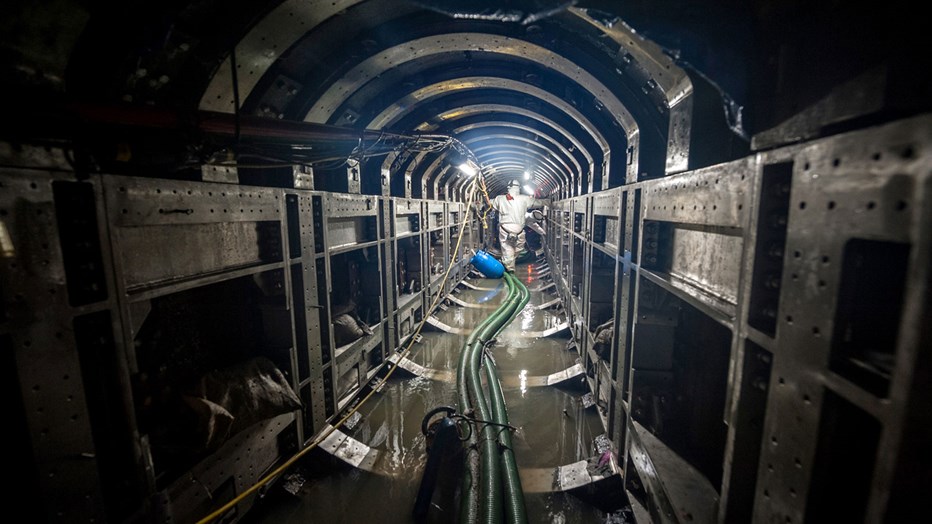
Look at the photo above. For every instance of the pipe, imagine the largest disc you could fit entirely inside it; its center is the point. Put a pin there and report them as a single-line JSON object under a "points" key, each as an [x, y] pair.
{"points": [[525, 298], [473, 395], [223, 124], [444, 437], [491, 470], [515, 511], [469, 507]]}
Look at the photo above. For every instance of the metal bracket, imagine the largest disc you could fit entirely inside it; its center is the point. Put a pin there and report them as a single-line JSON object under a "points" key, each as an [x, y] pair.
{"points": [[601, 444], [220, 174], [353, 421]]}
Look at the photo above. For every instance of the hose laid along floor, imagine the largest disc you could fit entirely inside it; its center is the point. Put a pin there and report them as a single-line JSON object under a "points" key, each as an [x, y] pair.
{"points": [[491, 486]]}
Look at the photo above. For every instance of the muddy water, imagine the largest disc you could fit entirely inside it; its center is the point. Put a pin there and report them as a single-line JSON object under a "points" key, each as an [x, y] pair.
{"points": [[553, 429], [528, 320]]}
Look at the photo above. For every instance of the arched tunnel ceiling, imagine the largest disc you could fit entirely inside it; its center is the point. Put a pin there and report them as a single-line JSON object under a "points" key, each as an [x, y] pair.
{"points": [[554, 97], [360, 63], [595, 104]]}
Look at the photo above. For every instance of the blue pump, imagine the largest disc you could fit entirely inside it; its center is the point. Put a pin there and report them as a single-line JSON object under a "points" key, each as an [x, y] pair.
{"points": [[487, 265]]}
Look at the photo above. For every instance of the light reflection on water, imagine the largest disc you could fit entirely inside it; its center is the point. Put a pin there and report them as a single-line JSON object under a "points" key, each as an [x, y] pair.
{"points": [[529, 319]]}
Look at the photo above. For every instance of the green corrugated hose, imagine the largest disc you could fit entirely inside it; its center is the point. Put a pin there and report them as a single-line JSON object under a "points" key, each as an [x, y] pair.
{"points": [[490, 468], [470, 492], [489, 455], [515, 511]]}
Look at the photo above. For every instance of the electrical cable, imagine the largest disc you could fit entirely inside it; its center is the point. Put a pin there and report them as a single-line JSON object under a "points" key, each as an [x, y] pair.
{"points": [[327, 156]]}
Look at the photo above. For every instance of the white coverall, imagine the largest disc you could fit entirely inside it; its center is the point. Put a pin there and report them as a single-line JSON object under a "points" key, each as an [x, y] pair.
{"points": [[512, 209], [533, 224]]}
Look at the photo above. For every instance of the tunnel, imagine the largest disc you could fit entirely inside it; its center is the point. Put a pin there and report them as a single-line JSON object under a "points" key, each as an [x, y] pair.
{"points": [[246, 246]]}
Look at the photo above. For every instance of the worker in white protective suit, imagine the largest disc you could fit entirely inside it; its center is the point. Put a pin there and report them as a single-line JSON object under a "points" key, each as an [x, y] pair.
{"points": [[532, 221], [512, 210]]}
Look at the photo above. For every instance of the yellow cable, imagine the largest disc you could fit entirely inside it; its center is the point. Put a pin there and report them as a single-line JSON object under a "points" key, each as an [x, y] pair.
{"points": [[288, 463]]}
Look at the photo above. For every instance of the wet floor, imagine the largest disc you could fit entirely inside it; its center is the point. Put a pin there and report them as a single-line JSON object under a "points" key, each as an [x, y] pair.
{"points": [[491, 295], [553, 428]]}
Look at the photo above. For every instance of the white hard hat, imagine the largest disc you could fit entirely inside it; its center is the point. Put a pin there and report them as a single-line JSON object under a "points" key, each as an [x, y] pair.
{"points": [[514, 183]]}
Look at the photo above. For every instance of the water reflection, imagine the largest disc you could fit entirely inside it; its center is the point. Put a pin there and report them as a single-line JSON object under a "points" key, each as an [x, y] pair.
{"points": [[553, 428], [489, 295], [527, 318]]}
